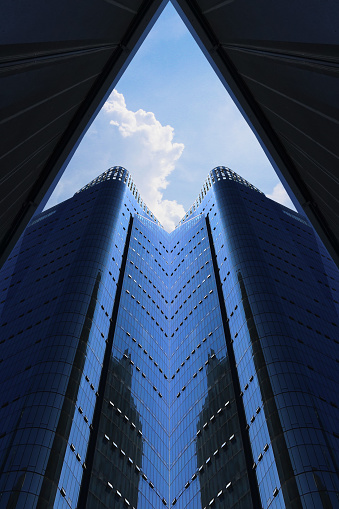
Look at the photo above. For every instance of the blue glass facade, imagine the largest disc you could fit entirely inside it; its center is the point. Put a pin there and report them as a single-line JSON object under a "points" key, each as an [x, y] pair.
{"points": [[192, 370]]}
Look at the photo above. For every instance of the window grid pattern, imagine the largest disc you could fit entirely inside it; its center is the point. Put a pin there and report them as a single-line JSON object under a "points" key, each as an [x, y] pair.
{"points": [[169, 433]]}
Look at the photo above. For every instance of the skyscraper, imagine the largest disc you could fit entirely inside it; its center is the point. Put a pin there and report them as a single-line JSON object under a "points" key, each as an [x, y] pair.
{"points": [[146, 369]]}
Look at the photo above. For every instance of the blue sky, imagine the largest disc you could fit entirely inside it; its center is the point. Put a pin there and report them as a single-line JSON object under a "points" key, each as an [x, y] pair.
{"points": [[169, 122]]}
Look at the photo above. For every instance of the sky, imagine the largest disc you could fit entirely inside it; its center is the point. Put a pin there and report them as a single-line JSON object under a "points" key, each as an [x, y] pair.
{"points": [[169, 121]]}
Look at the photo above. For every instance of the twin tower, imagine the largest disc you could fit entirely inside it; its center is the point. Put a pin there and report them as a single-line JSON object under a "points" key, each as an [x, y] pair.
{"points": [[196, 369]]}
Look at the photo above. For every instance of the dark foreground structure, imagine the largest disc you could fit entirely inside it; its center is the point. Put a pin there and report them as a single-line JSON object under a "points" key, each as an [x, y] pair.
{"points": [[279, 61], [143, 369]]}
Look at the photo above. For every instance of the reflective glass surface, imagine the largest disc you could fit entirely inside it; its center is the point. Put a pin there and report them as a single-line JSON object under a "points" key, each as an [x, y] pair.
{"points": [[191, 370]]}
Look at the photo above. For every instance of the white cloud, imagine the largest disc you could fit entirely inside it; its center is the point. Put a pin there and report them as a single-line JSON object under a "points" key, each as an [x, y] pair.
{"points": [[279, 194], [152, 155]]}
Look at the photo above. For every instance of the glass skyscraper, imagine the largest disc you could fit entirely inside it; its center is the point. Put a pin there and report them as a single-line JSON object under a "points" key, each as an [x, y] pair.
{"points": [[196, 369]]}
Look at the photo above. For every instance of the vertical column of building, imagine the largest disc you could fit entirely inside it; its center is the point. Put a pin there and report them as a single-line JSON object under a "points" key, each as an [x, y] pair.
{"points": [[95, 451], [68, 264], [131, 458], [208, 465], [234, 246], [260, 272], [307, 284]]}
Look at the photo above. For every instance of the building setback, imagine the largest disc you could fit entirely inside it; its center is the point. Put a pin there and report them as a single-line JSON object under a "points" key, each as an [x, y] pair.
{"points": [[192, 369]]}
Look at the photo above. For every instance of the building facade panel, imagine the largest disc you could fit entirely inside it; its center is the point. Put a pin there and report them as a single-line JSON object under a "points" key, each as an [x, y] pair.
{"points": [[278, 348], [146, 369], [54, 345]]}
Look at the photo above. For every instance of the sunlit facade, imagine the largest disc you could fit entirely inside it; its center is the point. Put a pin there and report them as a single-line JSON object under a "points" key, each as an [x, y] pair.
{"points": [[144, 369]]}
